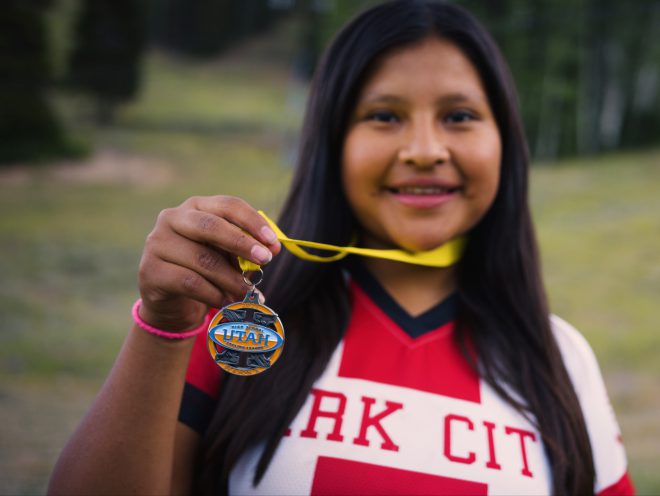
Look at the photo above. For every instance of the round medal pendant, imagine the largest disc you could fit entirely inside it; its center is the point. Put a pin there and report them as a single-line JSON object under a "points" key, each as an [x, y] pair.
{"points": [[246, 338]]}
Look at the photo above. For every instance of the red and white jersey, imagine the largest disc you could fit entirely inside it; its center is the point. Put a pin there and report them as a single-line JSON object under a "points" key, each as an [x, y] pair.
{"points": [[395, 414]]}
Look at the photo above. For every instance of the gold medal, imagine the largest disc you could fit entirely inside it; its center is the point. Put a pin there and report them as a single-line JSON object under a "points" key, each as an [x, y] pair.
{"points": [[246, 338]]}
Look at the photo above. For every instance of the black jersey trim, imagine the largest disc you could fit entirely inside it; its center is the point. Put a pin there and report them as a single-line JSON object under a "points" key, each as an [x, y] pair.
{"points": [[196, 408], [435, 317]]}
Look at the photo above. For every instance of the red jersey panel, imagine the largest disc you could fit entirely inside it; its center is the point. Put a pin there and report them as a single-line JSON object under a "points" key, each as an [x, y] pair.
{"points": [[431, 363]]}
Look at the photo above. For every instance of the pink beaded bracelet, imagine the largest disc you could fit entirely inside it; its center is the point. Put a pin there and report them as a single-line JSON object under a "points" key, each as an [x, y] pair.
{"points": [[168, 334]]}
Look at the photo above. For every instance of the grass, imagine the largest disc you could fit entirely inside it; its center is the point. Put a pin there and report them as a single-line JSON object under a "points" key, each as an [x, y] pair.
{"points": [[71, 237], [598, 228], [71, 234]]}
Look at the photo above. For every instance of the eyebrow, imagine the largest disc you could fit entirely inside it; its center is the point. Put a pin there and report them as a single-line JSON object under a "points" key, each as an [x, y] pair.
{"points": [[456, 97]]}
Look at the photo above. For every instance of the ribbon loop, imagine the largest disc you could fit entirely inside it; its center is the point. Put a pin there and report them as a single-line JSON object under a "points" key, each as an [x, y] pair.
{"points": [[443, 256]]}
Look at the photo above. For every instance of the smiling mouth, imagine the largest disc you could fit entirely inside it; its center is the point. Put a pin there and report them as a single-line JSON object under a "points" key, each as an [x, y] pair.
{"points": [[423, 190]]}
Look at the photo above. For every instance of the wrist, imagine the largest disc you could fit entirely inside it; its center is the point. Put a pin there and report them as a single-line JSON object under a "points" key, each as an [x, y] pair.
{"points": [[146, 322]]}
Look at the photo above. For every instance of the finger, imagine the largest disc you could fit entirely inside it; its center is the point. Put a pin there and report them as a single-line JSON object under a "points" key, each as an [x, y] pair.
{"points": [[241, 214], [203, 260], [204, 227], [176, 280]]}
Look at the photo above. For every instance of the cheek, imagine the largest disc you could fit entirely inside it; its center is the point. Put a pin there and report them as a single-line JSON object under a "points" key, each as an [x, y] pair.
{"points": [[484, 170], [356, 154], [360, 168]]}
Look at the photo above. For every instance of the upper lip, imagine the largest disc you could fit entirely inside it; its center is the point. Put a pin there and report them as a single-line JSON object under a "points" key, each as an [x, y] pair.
{"points": [[423, 183]]}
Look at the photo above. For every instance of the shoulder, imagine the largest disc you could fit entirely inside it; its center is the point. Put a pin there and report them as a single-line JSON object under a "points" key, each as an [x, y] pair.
{"points": [[604, 434], [579, 359]]}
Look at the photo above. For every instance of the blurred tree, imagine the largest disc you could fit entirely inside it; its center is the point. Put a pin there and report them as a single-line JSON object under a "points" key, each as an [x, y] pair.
{"points": [[109, 40], [337, 12], [28, 127], [204, 28], [587, 71], [310, 42], [624, 52]]}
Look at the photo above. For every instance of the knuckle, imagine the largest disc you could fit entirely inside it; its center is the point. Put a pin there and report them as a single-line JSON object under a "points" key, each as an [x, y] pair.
{"points": [[191, 283], [230, 203], [193, 200], [235, 201], [147, 274], [208, 260], [149, 260], [151, 239], [207, 223], [241, 242], [153, 244], [164, 215], [143, 269]]}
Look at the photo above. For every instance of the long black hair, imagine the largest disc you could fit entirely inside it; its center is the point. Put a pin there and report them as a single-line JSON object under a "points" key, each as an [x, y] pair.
{"points": [[503, 312]]}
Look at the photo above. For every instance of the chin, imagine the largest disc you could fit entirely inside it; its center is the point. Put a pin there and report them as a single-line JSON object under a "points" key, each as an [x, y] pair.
{"points": [[418, 245], [423, 236]]}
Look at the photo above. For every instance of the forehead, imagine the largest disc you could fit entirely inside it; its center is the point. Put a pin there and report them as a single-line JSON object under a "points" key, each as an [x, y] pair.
{"points": [[430, 66]]}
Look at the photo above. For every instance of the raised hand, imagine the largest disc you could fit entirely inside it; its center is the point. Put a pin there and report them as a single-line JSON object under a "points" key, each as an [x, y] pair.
{"points": [[189, 259]]}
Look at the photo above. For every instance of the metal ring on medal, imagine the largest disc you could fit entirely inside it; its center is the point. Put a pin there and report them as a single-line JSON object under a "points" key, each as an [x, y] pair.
{"points": [[245, 338]]}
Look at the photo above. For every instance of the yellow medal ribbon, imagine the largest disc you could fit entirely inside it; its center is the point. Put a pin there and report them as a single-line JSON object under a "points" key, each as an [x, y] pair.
{"points": [[443, 256]]}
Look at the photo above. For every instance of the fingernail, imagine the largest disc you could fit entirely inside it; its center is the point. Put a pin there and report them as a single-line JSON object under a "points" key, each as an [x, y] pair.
{"points": [[268, 235], [260, 254]]}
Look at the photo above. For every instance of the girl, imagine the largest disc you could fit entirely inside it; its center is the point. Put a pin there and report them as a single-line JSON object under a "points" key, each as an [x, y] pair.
{"points": [[396, 377]]}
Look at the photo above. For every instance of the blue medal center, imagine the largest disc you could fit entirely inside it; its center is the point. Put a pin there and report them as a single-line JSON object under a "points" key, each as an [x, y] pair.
{"points": [[246, 336]]}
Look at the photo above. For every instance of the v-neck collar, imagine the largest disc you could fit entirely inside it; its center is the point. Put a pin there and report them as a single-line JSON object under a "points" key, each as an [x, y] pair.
{"points": [[433, 318]]}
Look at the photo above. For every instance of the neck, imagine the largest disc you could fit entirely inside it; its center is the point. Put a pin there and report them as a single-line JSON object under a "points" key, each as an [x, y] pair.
{"points": [[414, 287]]}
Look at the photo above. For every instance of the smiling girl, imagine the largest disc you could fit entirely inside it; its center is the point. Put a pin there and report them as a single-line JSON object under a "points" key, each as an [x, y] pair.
{"points": [[396, 378]]}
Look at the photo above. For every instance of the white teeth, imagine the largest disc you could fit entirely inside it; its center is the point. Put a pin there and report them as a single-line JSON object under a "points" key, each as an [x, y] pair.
{"points": [[422, 190]]}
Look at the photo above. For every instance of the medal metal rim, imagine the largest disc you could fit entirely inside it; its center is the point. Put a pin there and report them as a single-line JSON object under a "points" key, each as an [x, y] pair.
{"points": [[211, 345]]}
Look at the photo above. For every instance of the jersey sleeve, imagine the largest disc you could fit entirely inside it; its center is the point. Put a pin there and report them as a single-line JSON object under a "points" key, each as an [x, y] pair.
{"points": [[201, 389], [610, 462]]}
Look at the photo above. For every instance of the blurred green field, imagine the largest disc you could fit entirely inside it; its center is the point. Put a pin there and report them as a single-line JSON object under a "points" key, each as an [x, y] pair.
{"points": [[71, 237], [599, 231]]}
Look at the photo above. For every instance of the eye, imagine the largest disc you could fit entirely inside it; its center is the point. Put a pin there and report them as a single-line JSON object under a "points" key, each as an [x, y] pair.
{"points": [[385, 116], [460, 117]]}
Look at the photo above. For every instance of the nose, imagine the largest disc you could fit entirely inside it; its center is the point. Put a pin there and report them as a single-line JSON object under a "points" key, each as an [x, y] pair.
{"points": [[425, 145]]}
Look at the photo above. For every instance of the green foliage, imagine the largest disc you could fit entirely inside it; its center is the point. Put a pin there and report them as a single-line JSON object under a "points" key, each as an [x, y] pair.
{"points": [[29, 129], [587, 70], [61, 21], [105, 62], [203, 28]]}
